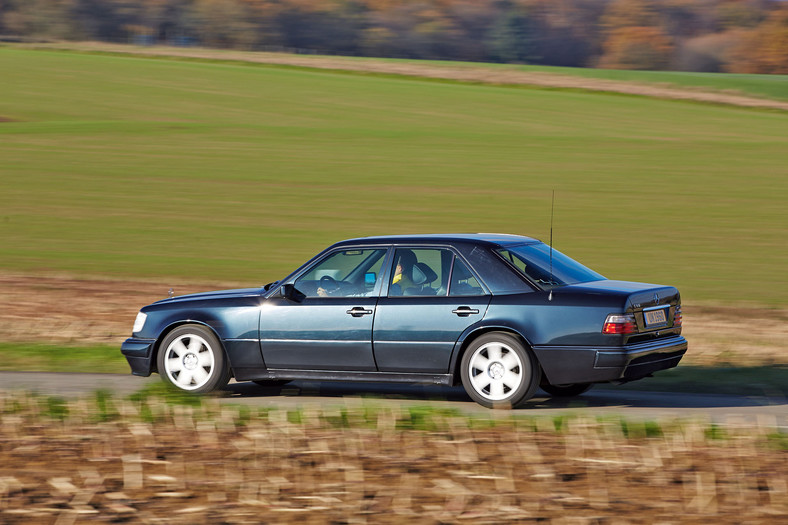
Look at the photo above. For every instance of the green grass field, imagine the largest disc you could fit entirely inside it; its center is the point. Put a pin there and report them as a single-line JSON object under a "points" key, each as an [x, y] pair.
{"points": [[133, 167], [62, 358]]}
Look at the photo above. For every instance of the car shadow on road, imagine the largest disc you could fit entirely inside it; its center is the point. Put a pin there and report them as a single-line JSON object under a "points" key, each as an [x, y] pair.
{"points": [[329, 389], [595, 398]]}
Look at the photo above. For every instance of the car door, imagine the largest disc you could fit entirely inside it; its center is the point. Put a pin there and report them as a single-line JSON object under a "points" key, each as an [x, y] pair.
{"points": [[417, 324], [330, 327]]}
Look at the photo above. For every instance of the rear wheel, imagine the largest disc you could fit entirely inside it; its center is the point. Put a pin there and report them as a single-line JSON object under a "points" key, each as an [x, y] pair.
{"points": [[497, 371], [192, 359], [572, 389]]}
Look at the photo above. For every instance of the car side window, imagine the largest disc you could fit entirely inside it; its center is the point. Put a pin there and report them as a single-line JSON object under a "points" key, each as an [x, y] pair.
{"points": [[346, 273], [462, 280], [420, 272]]}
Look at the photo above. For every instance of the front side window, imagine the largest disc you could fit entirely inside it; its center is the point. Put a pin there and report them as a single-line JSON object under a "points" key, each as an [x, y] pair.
{"points": [[346, 273], [547, 271]]}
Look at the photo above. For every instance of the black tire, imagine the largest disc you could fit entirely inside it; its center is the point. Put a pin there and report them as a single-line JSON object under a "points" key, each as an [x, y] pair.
{"points": [[192, 359], [271, 382], [573, 389], [498, 371]]}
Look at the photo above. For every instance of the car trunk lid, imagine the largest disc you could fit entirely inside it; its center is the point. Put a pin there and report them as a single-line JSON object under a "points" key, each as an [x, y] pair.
{"points": [[656, 308]]}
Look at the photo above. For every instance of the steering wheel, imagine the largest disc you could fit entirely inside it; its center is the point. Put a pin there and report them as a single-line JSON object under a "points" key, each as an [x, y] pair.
{"points": [[328, 283]]}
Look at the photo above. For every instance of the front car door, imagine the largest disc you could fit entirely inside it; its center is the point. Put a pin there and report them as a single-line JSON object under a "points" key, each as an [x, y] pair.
{"points": [[431, 298], [331, 328]]}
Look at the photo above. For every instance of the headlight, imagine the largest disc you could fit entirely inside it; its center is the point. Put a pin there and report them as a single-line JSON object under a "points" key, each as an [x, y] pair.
{"points": [[139, 322]]}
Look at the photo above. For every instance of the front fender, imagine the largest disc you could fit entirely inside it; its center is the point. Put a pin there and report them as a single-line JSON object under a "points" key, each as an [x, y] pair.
{"points": [[236, 327], [228, 319]]}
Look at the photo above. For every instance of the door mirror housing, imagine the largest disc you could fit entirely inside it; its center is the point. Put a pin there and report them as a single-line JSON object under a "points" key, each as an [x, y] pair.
{"points": [[289, 292]]}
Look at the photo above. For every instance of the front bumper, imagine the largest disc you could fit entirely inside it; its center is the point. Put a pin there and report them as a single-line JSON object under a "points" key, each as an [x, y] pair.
{"points": [[139, 354], [578, 364]]}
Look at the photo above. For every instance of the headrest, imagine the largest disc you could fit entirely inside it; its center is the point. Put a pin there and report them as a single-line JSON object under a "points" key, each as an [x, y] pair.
{"points": [[423, 274]]}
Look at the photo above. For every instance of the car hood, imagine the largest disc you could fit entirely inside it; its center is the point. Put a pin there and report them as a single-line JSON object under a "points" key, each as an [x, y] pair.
{"points": [[219, 294]]}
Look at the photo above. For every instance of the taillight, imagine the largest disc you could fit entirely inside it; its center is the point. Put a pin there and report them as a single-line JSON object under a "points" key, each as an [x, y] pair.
{"points": [[677, 316], [620, 324]]}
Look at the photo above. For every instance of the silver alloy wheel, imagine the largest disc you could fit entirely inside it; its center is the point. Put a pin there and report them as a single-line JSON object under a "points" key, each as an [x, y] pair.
{"points": [[189, 362], [495, 371]]}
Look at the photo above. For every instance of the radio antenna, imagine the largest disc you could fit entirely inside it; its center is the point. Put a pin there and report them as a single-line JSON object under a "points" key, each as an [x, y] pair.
{"points": [[552, 209]]}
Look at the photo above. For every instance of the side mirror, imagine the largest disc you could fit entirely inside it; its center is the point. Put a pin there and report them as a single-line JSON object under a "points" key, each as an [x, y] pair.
{"points": [[289, 292], [370, 278]]}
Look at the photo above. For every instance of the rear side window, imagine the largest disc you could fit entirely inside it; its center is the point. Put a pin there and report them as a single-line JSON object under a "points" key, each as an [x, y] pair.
{"points": [[499, 277], [420, 272], [462, 281]]}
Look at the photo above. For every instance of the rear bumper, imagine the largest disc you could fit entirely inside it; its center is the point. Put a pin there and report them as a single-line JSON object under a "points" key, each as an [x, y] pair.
{"points": [[139, 353], [577, 364]]}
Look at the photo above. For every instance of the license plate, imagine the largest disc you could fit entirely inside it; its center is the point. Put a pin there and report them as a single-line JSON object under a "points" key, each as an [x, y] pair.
{"points": [[655, 316]]}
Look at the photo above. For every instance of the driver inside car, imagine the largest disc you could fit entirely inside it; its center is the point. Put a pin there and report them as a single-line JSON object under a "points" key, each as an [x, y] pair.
{"points": [[403, 274]]}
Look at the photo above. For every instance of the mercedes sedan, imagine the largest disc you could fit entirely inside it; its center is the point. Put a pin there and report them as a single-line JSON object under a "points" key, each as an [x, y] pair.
{"points": [[502, 315]]}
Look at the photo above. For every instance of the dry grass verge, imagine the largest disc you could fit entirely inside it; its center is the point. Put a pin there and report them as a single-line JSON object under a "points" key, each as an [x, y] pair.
{"points": [[152, 461]]}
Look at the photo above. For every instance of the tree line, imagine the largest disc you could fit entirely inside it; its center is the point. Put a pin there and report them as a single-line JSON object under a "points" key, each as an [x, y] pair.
{"points": [[741, 36]]}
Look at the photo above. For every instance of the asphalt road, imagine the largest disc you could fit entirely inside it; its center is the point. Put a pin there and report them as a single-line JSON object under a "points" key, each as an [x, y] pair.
{"points": [[723, 409]]}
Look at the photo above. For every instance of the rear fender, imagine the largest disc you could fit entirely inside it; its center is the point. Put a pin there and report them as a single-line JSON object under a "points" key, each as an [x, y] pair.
{"points": [[472, 333]]}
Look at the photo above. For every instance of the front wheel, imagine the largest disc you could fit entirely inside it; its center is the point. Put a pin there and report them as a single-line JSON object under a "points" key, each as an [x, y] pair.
{"points": [[497, 371], [192, 359]]}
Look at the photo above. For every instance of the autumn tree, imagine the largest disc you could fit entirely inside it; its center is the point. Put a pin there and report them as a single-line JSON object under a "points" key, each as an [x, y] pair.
{"points": [[707, 35], [635, 38], [513, 36], [567, 32], [43, 19], [637, 48], [737, 14], [765, 48], [222, 23]]}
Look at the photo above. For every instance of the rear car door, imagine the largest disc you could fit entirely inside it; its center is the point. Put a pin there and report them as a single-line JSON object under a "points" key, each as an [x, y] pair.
{"points": [[424, 311]]}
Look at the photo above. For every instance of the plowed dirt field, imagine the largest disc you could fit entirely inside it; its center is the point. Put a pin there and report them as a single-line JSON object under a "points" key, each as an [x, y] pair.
{"points": [[78, 310]]}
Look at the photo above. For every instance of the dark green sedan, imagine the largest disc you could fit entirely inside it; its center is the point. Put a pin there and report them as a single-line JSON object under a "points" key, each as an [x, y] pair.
{"points": [[500, 314]]}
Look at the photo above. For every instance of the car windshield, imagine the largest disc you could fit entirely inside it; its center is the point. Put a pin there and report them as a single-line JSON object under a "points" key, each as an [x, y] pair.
{"points": [[534, 261]]}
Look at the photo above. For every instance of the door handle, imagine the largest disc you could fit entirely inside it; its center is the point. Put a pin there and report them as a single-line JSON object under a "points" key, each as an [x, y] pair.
{"points": [[358, 311], [464, 311]]}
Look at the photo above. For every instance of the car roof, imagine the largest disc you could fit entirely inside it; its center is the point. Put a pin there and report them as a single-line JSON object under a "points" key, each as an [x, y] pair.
{"points": [[498, 239]]}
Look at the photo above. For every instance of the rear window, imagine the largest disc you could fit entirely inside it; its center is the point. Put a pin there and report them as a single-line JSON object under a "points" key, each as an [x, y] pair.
{"points": [[534, 262]]}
